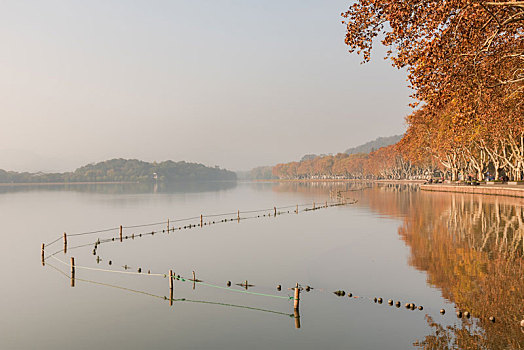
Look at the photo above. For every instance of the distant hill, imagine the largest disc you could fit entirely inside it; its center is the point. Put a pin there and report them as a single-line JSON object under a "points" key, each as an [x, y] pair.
{"points": [[266, 172], [367, 147], [126, 170], [262, 173], [308, 157], [258, 173], [374, 145]]}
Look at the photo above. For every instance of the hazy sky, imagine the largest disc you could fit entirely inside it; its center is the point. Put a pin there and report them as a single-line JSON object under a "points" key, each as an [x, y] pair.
{"points": [[230, 83]]}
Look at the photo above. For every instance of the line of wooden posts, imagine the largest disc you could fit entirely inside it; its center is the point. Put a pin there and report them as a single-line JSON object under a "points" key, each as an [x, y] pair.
{"points": [[121, 228], [171, 277], [296, 299]]}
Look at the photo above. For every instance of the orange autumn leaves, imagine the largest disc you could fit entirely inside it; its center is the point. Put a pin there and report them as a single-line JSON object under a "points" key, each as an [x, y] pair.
{"points": [[386, 162], [465, 63]]}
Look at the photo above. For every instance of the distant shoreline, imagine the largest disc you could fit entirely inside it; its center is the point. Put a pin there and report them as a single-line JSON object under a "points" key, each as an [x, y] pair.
{"points": [[344, 180]]}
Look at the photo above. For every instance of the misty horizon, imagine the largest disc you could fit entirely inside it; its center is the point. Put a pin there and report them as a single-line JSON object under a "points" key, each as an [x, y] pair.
{"points": [[27, 161], [268, 83]]}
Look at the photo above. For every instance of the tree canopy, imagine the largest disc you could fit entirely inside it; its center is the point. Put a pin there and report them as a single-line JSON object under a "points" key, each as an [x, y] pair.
{"points": [[465, 64], [126, 170]]}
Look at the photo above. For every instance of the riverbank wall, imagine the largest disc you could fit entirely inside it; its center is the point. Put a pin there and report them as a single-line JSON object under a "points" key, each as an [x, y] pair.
{"points": [[492, 190], [344, 180]]}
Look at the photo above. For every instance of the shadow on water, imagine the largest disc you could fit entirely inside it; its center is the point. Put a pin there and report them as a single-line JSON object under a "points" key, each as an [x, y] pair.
{"points": [[471, 248], [127, 188]]}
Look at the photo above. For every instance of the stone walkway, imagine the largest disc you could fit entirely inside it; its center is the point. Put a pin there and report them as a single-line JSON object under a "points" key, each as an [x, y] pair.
{"points": [[495, 190]]}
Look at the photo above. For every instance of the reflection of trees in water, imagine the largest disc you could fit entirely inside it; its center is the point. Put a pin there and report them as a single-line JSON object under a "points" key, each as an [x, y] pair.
{"points": [[327, 187], [195, 186], [128, 188], [470, 247], [320, 188], [490, 227]]}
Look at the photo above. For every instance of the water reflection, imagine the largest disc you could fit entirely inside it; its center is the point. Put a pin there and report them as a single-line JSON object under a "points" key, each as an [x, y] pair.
{"points": [[126, 188], [471, 248], [319, 188], [171, 299]]}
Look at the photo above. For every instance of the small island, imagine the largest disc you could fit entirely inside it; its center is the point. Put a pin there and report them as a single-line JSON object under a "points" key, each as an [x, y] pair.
{"points": [[124, 170]]}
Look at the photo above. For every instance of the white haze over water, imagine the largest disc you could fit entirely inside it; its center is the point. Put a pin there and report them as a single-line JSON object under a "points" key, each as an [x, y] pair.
{"points": [[231, 83]]}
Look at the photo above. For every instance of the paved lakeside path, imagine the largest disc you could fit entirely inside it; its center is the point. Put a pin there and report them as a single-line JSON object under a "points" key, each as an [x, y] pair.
{"points": [[343, 180], [494, 190]]}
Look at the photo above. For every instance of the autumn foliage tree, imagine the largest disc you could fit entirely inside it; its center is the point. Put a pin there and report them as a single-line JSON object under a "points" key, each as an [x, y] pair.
{"points": [[465, 63], [384, 163]]}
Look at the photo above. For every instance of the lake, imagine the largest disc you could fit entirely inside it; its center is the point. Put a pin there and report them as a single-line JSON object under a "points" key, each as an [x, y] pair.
{"points": [[436, 250]]}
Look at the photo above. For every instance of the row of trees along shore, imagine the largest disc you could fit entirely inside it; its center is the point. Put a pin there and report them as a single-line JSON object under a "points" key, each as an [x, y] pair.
{"points": [[465, 63], [126, 170]]}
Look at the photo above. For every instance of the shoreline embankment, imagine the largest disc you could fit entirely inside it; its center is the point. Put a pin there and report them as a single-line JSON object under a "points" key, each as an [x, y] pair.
{"points": [[490, 190], [345, 180], [506, 190]]}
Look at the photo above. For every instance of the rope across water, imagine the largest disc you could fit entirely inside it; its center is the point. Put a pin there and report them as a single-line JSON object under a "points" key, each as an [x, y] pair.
{"points": [[211, 285], [183, 279], [158, 223], [174, 300], [270, 212]]}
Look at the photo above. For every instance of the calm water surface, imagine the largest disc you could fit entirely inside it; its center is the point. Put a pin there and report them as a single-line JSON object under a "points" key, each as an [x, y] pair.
{"points": [[442, 251]]}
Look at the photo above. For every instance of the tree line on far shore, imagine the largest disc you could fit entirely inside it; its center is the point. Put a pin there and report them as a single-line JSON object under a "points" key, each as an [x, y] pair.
{"points": [[125, 170], [384, 163]]}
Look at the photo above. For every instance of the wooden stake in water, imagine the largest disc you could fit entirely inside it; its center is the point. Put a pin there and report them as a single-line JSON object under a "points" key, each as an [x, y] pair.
{"points": [[167, 225], [43, 251], [72, 271], [275, 210], [297, 297], [296, 211], [65, 243], [201, 220], [238, 215], [297, 318], [120, 233], [170, 287]]}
